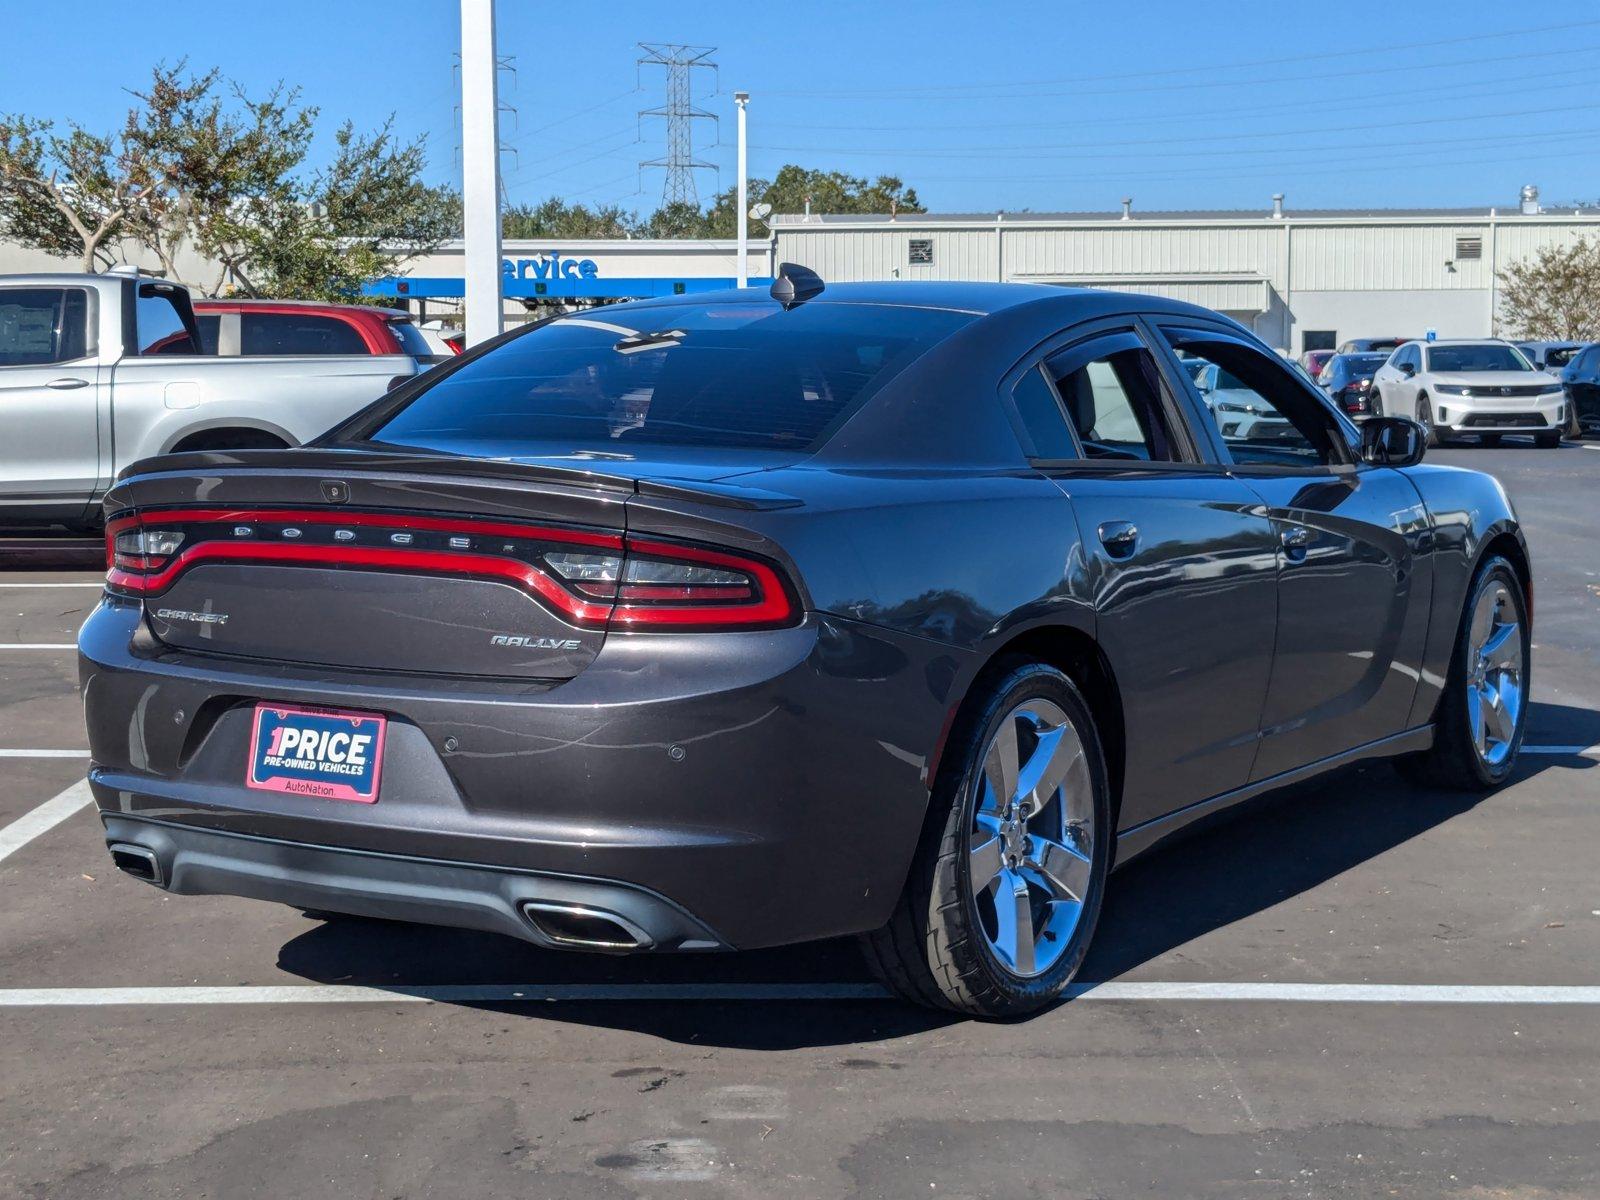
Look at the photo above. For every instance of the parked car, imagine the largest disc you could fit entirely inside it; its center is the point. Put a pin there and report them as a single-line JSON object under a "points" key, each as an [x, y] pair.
{"points": [[1550, 356], [895, 609], [1485, 387], [1239, 412], [1314, 360], [1581, 379], [97, 371], [1348, 379], [1370, 344], [446, 340], [295, 328]]}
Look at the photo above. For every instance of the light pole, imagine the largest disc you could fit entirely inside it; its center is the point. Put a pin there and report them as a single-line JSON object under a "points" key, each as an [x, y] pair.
{"points": [[742, 99], [480, 171]]}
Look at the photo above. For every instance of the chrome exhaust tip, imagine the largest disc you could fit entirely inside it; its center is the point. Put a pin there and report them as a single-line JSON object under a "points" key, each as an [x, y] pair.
{"points": [[139, 861], [578, 927]]}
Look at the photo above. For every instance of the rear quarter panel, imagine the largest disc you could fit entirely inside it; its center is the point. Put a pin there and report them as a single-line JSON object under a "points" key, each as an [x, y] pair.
{"points": [[1468, 510]]}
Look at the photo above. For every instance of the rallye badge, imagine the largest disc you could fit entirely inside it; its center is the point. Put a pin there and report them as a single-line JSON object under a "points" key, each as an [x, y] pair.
{"points": [[316, 752]]}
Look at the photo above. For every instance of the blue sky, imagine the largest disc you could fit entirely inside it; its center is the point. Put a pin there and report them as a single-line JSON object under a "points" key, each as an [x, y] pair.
{"points": [[979, 106]]}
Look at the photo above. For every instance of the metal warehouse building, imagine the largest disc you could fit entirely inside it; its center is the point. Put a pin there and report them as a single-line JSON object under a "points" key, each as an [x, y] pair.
{"points": [[1301, 280]]}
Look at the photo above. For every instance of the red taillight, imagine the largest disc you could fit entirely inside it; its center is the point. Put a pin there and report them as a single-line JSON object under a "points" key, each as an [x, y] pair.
{"points": [[590, 578]]}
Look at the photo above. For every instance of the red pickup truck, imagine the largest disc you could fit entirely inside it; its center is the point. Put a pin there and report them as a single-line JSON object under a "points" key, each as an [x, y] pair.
{"points": [[247, 328]]}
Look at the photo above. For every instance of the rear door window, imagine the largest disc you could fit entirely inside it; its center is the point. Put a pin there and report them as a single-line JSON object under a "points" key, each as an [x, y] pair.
{"points": [[297, 334], [39, 326], [1111, 392], [745, 374]]}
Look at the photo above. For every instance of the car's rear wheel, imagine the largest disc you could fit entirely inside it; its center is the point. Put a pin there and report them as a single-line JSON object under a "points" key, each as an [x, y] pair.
{"points": [[1008, 880], [1479, 723]]}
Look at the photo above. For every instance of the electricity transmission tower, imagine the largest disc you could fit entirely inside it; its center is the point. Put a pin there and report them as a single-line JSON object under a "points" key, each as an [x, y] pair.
{"points": [[681, 114]]}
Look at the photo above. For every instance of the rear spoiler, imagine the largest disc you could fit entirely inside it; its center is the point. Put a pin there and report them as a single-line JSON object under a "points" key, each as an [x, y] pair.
{"points": [[337, 461]]}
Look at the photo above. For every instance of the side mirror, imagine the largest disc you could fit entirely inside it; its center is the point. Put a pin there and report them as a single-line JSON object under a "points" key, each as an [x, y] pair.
{"points": [[1407, 369], [1392, 441]]}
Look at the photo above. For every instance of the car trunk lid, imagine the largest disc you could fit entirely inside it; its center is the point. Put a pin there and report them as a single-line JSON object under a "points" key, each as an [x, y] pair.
{"points": [[374, 562]]}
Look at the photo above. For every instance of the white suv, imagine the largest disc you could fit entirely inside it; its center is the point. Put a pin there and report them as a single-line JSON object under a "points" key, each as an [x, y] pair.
{"points": [[1487, 388]]}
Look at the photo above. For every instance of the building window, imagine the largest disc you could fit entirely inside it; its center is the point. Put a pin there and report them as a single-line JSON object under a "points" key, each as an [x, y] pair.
{"points": [[1469, 247], [921, 252], [1319, 339]]}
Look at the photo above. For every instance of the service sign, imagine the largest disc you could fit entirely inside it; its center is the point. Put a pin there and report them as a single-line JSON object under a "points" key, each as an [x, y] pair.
{"points": [[316, 752]]}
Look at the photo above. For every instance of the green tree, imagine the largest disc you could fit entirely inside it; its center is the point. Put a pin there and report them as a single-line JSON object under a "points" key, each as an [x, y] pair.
{"points": [[555, 218], [1555, 294], [206, 167], [794, 187], [71, 194]]}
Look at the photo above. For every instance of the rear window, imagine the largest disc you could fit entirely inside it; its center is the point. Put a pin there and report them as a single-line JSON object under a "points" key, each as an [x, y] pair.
{"points": [[296, 333], [733, 375], [1365, 364], [411, 340], [1487, 357]]}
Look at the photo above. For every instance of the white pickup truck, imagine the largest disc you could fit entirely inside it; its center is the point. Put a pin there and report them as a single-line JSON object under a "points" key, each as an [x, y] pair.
{"points": [[99, 371]]}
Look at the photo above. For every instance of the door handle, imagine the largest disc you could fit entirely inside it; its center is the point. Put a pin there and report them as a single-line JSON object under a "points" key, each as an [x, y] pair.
{"points": [[1295, 539], [1120, 538], [67, 383]]}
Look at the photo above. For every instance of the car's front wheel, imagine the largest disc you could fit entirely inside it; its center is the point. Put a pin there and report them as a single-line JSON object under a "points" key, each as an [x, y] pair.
{"points": [[1547, 441], [1477, 729], [1425, 419], [1007, 884]]}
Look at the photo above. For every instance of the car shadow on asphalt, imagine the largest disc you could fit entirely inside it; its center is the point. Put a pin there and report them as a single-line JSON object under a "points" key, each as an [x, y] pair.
{"points": [[1209, 879]]}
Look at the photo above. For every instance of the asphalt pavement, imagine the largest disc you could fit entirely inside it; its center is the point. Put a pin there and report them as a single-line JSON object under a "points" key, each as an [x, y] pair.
{"points": [[1357, 989]]}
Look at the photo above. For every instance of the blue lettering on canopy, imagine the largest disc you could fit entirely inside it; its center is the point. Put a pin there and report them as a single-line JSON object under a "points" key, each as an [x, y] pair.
{"points": [[549, 266]]}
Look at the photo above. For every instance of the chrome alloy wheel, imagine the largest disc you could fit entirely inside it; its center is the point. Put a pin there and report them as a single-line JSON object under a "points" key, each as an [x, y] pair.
{"points": [[1031, 839], [1495, 688]]}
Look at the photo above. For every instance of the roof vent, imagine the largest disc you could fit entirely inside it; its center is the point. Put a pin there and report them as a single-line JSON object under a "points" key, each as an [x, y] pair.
{"points": [[1127, 208], [1277, 205], [1530, 200]]}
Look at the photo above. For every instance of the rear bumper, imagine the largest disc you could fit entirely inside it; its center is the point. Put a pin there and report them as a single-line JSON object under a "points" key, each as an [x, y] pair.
{"points": [[768, 785], [201, 862]]}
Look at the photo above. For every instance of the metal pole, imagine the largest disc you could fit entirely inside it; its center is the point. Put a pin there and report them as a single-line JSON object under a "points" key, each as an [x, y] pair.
{"points": [[480, 171], [742, 99]]}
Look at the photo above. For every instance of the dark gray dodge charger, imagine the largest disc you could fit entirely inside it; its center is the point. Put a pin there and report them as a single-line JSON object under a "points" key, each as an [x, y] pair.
{"points": [[903, 610]]}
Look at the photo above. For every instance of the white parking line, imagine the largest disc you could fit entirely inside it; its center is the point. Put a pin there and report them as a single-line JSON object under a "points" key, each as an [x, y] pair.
{"points": [[44, 754], [1567, 750], [98, 583], [38, 645], [46, 817], [1299, 993]]}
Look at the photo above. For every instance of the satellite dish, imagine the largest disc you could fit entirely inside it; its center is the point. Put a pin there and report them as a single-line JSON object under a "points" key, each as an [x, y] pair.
{"points": [[760, 212]]}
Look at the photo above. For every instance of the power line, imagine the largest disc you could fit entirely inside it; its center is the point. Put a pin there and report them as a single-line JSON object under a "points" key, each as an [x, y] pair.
{"points": [[1475, 89], [1213, 69], [1299, 77], [990, 151]]}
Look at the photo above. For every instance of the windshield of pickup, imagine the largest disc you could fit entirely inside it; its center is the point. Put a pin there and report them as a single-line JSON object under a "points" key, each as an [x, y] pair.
{"points": [[1468, 359], [745, 374]]}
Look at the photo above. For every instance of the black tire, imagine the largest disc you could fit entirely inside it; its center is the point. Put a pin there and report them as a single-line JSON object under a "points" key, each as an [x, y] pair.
{"points": [[1425, 419], [934, 950], [1453, 762], [230, 439], [1375, 404], [1549, 440], [1489, 439]]}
